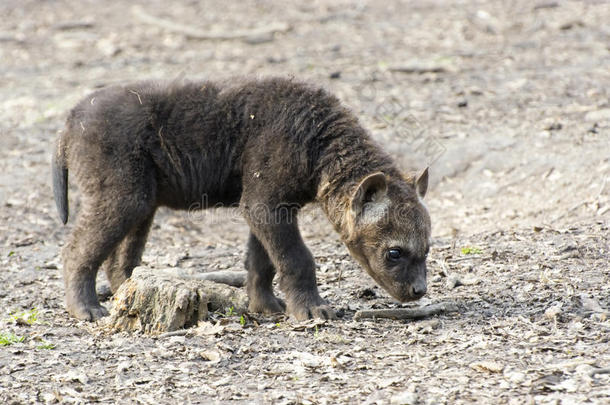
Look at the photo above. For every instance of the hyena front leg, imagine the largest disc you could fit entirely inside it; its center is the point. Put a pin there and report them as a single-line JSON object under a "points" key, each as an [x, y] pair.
{"points": [[279, 234], [260, 279]]}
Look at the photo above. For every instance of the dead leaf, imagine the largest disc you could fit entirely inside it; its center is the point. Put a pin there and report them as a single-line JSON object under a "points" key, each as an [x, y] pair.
{"points": [[487, 366], [591, 304], [207, 328], [210, 355], [309, 324], [553, 311], [75, 376]]}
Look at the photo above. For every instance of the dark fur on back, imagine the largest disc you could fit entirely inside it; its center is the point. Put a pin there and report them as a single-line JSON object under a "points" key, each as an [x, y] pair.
{"points": [[270, 143]]}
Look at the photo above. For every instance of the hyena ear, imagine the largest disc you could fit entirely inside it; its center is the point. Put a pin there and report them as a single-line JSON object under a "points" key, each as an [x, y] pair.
{"points": [[421, 183], [372, 189]]}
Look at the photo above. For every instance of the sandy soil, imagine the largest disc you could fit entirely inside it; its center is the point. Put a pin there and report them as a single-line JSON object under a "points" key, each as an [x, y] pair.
{"points": [[508, 102]]}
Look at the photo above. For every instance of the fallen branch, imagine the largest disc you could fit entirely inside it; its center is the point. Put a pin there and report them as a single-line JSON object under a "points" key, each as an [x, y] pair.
{"points": [[229, 277], [407, 313], [196, 33], [233, 278], [596, 371]]}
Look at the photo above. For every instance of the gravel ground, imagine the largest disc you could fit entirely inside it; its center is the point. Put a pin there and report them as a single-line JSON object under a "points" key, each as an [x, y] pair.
{"points": [[507, 102]]}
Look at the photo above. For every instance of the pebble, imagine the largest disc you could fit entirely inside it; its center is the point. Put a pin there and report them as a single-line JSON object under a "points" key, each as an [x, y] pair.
{"points": [[76, 376], [405, 398], [590, 304], [515, 377], [123, 366], [598, 115], [453, 281], [553, 311]]}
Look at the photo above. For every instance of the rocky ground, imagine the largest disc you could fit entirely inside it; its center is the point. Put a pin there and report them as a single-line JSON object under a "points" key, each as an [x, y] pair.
{"points": [[507, 102]]}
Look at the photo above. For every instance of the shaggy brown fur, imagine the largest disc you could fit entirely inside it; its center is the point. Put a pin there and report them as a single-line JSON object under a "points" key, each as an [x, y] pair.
{"points": [[272, 146]]}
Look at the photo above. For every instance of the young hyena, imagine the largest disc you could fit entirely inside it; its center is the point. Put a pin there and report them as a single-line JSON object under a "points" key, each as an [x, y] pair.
{"points": [[270, 145]]}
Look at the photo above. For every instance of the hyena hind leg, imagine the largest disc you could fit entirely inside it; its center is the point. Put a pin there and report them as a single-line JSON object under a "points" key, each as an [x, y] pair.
{"points": [[127, 255], [98, 231]]}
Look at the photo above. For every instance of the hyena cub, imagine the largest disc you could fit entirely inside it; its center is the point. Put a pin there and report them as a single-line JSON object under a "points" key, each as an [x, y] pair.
{"points": [[272, 146]]}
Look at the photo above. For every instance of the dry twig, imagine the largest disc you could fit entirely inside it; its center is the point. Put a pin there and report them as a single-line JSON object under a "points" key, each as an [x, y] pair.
{"points": [[596, 371], [233, 278], [196, 33], [408, 313]]}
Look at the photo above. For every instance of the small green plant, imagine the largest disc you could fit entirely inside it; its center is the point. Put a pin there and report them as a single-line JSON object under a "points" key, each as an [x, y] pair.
{"points": [[9, 338], [231, 311], [46, 346], [316, 332], [471, 250], [11, 253], [242, 320], [30, 317], [277, 325]]}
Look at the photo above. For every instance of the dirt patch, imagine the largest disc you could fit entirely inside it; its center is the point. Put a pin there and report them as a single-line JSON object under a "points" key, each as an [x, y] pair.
{"points": [[508, 104]]}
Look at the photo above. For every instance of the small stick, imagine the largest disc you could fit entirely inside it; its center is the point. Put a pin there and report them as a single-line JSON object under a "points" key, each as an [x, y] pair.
{"points": [[196, 33], [407, 313], [592, 373], [179, 332], [428, 68]]}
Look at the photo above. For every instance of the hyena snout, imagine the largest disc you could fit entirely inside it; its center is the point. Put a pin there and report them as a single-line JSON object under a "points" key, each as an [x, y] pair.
{"points": [[418, 285], [415, 285], [418, 289]]}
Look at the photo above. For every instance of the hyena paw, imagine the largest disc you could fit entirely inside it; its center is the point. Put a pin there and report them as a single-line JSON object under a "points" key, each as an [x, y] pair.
{"points": [[88, 312], [317, 308], [266, 304]]}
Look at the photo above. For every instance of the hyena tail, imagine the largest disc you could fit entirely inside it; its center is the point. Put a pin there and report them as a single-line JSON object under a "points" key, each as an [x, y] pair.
{"points": [[60, 179]]}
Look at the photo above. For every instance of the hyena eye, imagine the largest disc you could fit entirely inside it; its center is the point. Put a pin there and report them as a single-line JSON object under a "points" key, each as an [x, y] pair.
{"points": [[393, 254]]}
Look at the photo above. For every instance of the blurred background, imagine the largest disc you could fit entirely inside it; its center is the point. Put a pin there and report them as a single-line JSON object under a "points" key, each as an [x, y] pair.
{"points": [[507, 102]]}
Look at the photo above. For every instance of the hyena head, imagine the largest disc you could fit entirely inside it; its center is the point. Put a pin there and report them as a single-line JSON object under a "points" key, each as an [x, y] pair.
{"points": [[390, 232]]}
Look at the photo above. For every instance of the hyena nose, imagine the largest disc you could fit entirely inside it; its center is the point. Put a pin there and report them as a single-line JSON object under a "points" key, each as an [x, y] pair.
{"points": [[418, 291]]}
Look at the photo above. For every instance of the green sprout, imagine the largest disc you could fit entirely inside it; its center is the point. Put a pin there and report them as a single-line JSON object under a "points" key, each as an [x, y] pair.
{"points": [[471, 250], [30, 317], [231, 311], [242, 320], [46, 346], [8, 338]]}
